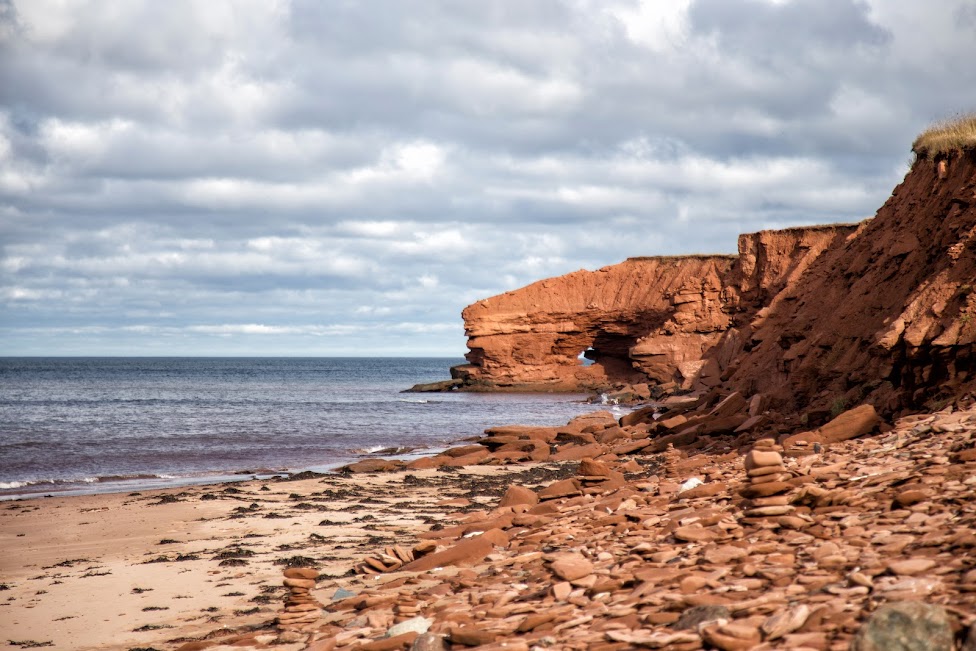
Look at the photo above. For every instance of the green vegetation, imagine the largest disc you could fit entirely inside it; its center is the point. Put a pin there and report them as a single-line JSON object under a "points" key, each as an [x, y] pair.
{"points": [[953, 134], [838, 407]]}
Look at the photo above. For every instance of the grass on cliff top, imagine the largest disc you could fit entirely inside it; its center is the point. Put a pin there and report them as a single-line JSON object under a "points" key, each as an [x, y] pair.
{"points": [[954, 134]]}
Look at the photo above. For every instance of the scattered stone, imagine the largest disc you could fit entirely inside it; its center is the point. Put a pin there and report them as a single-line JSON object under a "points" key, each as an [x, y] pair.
{"points": [[906, 626]]}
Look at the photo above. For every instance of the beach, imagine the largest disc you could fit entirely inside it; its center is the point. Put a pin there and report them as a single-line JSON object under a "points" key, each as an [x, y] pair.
{"points": [[625, 537], [122, 571]]}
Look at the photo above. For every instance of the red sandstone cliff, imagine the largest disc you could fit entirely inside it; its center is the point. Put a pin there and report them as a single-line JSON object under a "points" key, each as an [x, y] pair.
{"points": [[646, 319], [886, 317], [826, 316]]}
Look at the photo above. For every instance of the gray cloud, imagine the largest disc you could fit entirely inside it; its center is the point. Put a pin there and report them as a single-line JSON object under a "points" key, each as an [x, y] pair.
{"points": [[242, 177]]}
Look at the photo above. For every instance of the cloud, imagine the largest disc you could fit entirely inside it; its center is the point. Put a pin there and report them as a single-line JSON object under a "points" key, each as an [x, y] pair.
{"points": [[333, 178]]}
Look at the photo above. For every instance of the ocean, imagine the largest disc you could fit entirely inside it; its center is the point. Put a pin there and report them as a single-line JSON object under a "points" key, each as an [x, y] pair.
{"points": [[85, 425]]}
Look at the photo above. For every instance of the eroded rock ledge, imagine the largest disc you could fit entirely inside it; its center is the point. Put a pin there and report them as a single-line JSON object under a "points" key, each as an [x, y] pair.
{"points": [[881, 311], [650, 319]]}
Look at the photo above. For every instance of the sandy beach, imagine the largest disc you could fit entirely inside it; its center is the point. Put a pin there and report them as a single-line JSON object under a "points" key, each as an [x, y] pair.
{"points": [[153, 569]]}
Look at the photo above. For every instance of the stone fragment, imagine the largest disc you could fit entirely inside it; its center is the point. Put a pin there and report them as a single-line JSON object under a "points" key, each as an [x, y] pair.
{"points": [[725, 554], [428, 642], [911, 566], [472, 636], [850, 424], [571, 567], [469, 550], [905, 626], [695, 616], [761, 458], [562, 488], [785, 622], [519, 495], [414, 624]]}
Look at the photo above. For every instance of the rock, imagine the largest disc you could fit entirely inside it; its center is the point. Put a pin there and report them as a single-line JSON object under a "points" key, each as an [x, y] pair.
{"points": [[662, 314], [694, 533], [414, 624], [562, 488], [724, 554], [589, 467], [850, 424], [402, 641], [468, 550], [905, 626], [570, 567], [301, 573], [782, 623], [911, 566], [472, 636], [372, 465], [760, 458], [519, 495], [428, 642], [695, 616]]}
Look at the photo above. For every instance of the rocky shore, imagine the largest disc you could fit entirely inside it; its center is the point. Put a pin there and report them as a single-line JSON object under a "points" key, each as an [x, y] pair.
{"points": [[625, 534]]}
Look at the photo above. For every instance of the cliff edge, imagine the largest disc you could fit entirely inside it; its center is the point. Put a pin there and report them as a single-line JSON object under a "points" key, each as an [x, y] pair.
{"points": [[822, 317]]}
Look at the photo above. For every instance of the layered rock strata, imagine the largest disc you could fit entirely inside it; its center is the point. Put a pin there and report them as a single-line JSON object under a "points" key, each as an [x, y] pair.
{"points": [[825, 317], [886, 316], [644, 319]]}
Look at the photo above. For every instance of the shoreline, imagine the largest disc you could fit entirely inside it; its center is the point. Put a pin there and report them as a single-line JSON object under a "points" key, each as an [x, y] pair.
{"points": [[614, 537], [180, 563]]}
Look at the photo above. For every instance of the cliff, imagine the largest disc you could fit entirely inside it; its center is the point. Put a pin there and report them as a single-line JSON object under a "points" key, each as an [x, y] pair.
{"points": [[818, 318], [643, 320], [884, 317]]}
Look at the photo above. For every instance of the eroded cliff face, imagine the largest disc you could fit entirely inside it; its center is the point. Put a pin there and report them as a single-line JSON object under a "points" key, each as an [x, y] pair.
{"points": [[644, 320], [531, 338], [887, 316]]}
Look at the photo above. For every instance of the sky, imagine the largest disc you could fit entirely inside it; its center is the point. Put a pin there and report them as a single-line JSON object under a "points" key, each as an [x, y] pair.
{"points": [[329, 177]]}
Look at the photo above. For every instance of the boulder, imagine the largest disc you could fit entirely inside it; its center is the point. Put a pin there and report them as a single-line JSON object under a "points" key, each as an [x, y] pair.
{"points": [[905, 626]]}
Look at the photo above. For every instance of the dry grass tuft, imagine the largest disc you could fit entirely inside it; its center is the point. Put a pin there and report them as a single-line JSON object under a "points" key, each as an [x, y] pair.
{"points": [[953, 134]]}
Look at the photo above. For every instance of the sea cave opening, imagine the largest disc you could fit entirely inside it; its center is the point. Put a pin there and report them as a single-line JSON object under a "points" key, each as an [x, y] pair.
{"points": [[588, 356]]}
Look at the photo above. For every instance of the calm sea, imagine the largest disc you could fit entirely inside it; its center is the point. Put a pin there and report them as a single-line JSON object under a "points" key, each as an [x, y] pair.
{"points": [[114, 424]]}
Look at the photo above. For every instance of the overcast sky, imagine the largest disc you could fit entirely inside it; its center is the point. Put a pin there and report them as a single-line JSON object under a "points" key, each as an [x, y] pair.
{"points": [[323, 177]]}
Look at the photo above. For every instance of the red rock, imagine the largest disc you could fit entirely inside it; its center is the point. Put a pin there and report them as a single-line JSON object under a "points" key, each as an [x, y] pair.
{"points": [[591, 468], [562, 488], [468, 550], [472, 636], [571, 567], [850, 424], [732, 405], [577, 452], [762, 458], [373, 465], [694, 533], [469, 459], [463, 451], [519, 495], [301, 573], [426, 463], [711, 489], [765, 489], [394, 643]]}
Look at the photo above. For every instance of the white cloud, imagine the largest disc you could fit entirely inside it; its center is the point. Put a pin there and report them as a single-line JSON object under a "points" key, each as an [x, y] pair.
{"points": [[322, 176]]}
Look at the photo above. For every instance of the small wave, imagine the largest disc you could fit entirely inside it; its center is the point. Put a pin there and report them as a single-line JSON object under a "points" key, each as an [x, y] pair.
{"points": [[24, 444], [373, 449], [415, 401], [9, 485], [13, 485], [383, 450]]}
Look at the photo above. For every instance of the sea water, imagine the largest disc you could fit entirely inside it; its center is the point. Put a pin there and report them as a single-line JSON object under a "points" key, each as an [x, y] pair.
{"points": [[111, 424]]}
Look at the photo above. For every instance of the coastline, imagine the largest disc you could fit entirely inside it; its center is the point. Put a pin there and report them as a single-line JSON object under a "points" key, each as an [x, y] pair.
{"points": [[180, 563], [615, 541]]}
